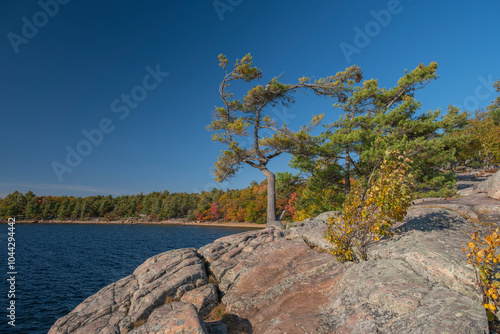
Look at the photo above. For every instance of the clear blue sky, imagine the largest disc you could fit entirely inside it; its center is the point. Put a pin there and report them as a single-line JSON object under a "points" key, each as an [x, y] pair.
{"points": [[70, 70]]}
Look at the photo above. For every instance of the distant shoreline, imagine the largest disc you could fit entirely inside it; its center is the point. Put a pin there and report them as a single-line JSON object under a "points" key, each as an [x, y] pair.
{"points": [[128, 222]]}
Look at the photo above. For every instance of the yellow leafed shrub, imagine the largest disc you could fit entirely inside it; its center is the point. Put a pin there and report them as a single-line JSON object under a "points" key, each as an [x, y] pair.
{"points": [[370, 211], [482, 255]]}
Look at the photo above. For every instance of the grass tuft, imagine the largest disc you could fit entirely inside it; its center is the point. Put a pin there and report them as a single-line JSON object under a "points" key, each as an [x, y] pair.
{"points": [[217, 313], [139, 323]]}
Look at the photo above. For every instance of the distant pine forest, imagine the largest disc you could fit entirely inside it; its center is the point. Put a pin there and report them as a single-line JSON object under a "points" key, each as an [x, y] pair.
{"points": [[248, 205]]}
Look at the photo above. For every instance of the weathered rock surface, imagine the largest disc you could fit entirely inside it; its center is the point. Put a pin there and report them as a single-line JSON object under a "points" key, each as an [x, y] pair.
{"points": [[285, 281], [430, 244], [228, 252], [313, 230], [417, 282], [121, 306], [204, 298], [491, 186], [467, 182], [476, 207], [173, 318]]}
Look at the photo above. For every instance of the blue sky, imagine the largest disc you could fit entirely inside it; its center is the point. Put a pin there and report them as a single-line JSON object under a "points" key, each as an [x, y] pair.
{"points": [[69, 68]]}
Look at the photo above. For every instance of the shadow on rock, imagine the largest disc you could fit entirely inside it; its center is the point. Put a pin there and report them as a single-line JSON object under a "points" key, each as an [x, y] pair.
{"points": [[433, 219], [230, 324]]}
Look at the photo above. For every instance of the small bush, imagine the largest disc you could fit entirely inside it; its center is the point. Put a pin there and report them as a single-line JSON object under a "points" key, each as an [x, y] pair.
{"points": [[482, 255], [261, 220], [370, 211], [191, 216], [445, 192], [475, 164]]}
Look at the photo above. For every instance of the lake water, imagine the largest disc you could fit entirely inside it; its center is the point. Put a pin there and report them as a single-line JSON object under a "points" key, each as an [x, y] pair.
{"points": [[58, 266]]}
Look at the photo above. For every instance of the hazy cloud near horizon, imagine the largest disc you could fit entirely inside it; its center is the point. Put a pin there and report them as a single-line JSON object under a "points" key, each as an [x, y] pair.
{"points": [[59, 189]]}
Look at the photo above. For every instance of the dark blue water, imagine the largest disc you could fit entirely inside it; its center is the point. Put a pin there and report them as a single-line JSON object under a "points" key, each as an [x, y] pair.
{"points": [[60, 265]]}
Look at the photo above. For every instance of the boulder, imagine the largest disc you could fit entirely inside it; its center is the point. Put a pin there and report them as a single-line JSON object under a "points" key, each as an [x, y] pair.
{"points": [[228, 252], [204, 298], [325, 216], [313, 232], [121, 306], [430, 243], [386, 296], [475, 207], [466, 191], [491, 186], [276, 224], [442, 208], [172, 318]]}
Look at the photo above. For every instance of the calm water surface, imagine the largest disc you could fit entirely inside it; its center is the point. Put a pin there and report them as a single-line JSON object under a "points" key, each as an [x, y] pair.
{"points": [[60, 265]]}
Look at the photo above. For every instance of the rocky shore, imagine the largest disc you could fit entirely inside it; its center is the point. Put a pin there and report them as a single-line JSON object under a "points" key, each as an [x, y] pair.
{"points": [[285, 281]]}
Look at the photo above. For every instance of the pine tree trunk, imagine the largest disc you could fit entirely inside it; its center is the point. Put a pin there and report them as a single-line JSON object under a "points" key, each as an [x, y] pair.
{"points": [[271, 196], [347, 175]]}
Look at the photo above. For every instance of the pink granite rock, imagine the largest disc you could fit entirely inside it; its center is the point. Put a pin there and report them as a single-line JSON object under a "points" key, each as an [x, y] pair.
{"points": [[204, 299], [119, 306], [417, 282], [490, 186], [172, 318]]}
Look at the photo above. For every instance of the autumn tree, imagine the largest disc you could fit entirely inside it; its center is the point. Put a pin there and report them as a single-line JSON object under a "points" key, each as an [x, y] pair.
{"points": [[477, 141], [483, 134], [483, 131], [246, 120], [494, 108]]}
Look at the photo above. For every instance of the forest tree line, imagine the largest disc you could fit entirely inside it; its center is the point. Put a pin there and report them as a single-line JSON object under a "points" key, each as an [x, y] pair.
{"points": [[248, 204]]}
